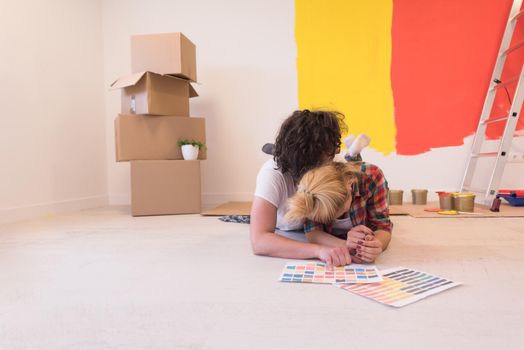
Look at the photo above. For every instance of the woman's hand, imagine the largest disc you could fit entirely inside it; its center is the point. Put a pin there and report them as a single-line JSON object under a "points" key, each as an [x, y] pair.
{"points": [[369, 249], [357, 235], [334, 256]]}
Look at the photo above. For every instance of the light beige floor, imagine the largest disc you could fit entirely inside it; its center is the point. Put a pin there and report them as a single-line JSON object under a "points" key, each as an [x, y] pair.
{"points": [[100, 279]]}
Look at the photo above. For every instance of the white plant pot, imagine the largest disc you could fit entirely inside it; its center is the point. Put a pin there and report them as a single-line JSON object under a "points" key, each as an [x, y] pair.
{"points": [[189, 152]]}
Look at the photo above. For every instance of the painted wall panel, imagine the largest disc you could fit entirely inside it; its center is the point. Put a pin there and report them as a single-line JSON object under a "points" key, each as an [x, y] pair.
{"points": [[343, 62], [443, 56], [412, 74]]}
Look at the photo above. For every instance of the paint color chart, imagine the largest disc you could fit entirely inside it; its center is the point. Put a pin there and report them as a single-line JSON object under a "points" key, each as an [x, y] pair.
{"points": [[316, 272], [401, 286]]}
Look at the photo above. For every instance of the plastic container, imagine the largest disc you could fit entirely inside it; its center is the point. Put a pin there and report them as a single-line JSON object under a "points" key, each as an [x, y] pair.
{"points": [[513, 200], [446, 200], [515, 193], [419, 196], [464, 202], [395, 197]]}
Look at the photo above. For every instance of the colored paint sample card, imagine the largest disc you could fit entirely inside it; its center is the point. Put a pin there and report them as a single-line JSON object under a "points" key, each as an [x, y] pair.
{"points": [[402, 286], [316, 272]]}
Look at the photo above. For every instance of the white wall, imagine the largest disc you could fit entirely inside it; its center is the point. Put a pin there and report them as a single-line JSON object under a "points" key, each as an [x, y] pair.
{"points": [[59, 57], [246, 64], [52, 137], [443, 168]]}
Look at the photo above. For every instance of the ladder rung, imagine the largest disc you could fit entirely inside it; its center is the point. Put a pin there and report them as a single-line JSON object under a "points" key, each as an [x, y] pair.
{"points": [[474, 190], [485, 154], [507, 82], [489, 121], [520, 13], [514, 47]]}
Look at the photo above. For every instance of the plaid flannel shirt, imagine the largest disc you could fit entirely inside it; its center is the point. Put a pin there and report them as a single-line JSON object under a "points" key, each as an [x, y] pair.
{"points": [[369, 206]]}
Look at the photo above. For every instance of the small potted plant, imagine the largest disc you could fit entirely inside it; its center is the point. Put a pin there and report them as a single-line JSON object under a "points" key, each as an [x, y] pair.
{"points": [[190, 148]]}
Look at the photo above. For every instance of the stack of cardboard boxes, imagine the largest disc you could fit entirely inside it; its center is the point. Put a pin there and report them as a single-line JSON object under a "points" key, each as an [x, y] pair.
{"points": [[154, 115]]}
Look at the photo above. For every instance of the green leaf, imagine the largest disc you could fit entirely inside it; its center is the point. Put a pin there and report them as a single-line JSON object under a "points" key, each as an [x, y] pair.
{"points": [[196, 143]]}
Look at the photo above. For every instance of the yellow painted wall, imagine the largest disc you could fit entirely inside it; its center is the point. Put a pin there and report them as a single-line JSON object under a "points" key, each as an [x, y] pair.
{"points": [[343, 62]]}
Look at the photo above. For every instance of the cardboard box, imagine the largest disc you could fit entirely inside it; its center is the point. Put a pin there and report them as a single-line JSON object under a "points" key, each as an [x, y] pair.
{"points": [[141, 137], [160, 187], [167, 53], [148, 93]]}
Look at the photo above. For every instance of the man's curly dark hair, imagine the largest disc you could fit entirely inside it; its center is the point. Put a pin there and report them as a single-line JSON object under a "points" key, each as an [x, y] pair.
{"points": [[306, 139]]}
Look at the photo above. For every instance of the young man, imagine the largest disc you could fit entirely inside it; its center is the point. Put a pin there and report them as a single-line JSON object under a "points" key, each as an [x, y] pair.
{"points": [[306, 139]]}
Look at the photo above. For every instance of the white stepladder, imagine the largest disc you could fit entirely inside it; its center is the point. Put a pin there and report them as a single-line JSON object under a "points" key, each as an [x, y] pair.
{"points": [[489, 193]]}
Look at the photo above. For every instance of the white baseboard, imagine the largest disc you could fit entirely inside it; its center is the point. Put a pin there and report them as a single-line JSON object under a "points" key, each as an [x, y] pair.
{"points": [[44, 209], [209, 200], [119, 199]]}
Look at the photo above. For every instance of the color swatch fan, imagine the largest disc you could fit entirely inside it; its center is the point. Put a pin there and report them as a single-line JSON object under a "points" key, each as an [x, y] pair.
{"points": [[402, 286], [316, 272]]}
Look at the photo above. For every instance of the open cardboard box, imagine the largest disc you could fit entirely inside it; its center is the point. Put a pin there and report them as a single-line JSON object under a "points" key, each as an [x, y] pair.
{"points": [[163, 187], [141, 137], [165, 53], [147, 93]]}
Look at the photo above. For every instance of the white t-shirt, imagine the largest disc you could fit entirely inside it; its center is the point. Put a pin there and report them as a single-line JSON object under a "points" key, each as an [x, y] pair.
{"points": [[276, 188]]}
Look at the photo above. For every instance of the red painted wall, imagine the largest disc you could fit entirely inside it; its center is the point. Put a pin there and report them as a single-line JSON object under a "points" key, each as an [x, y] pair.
{"points": [[443, 54]]}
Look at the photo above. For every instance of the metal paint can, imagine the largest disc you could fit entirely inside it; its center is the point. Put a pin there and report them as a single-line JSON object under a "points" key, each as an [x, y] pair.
{"points": [[395, 197], [419, 196], [445, 200], [464, 201]]}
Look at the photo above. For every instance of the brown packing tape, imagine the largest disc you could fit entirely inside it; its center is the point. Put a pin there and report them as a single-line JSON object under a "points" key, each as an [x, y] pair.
{"points": [[229, 208], [397, 210]]}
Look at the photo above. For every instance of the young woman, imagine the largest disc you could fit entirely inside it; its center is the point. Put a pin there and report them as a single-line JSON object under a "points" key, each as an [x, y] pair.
{"points": [[334, 198], [306, 139]]}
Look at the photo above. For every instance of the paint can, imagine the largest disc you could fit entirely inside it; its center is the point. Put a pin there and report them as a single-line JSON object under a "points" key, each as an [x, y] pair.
{"points": [[464, 201], [445, 200], [419, 196], [395, 197]]}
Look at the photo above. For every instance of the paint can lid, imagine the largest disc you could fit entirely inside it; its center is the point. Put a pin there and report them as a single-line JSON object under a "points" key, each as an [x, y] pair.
{"points": [[448, 212], [444, 193], [463, 194]]}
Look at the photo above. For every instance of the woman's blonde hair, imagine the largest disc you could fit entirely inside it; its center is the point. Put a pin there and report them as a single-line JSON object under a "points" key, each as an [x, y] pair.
{"points": [[321, 194]]}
